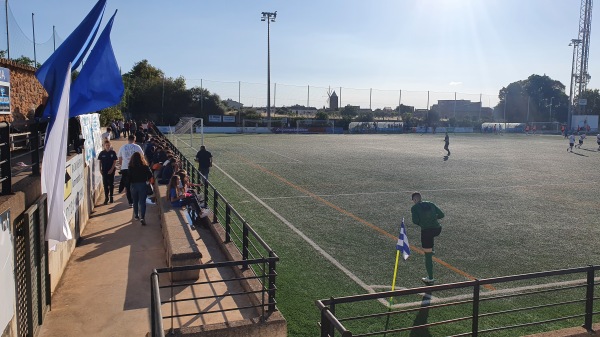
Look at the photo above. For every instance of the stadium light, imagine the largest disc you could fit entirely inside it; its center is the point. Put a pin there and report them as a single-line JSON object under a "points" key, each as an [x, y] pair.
{"points": [[269, 17]]}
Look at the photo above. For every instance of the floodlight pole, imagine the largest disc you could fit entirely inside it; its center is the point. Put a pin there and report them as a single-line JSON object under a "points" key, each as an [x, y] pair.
{"points": [[269, 17], [7, 35]]}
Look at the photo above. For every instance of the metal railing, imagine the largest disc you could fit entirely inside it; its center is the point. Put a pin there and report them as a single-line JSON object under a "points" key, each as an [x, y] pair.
{"points": [[266, 294], [256, 254], [331, 324], [14, 146]]}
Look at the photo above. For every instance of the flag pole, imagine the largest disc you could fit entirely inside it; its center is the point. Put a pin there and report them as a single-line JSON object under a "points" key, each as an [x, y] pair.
{"points": [[402, 245]]}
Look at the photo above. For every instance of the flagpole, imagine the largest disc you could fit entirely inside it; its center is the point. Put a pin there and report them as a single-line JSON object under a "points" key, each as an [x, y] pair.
{"points": [[403, 246]]}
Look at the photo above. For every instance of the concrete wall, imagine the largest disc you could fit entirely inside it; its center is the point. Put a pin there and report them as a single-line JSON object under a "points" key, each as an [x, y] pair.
{"points": [[26, 92], [27, 191]]}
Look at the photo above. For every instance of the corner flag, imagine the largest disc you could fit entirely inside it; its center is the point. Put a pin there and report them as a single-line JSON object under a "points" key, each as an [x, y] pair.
{"points": [[402, 244]]}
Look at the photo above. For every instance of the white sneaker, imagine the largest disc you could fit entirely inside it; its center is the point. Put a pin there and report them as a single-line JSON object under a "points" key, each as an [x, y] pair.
{"points": [[428, 281]]}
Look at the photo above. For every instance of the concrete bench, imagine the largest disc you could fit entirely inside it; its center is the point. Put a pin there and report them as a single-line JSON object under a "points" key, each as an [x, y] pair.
{"points": [[180, 240]]}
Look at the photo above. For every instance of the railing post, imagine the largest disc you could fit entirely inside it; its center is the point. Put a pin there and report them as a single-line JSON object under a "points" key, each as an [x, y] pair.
{"points": [[475, 318], [205, 190], [272, 275], [152, 312], [325, 323], [5, 158], [215, 205], [245, 244], [227, 222], [34, 144], [589, 300], [332, 309]]}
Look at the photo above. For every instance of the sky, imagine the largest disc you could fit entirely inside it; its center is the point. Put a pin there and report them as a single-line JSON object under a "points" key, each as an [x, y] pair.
{"points": [[443, 46]]}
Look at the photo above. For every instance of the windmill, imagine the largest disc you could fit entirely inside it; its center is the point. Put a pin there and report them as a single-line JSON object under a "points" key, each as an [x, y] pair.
{"points": [[332, 99]]}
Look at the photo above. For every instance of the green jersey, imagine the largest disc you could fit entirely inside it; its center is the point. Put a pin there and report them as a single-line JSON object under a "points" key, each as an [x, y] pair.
{"points": [[425, 214]]}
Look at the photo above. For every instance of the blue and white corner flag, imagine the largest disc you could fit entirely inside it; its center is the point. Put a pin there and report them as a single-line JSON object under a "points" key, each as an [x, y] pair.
{"points": [[402, 244]]}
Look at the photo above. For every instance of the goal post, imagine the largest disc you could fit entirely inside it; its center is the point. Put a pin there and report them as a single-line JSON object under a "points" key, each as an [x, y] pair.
{"points": [[261, 125], [546, 127], [191, 126], [315, 126]]}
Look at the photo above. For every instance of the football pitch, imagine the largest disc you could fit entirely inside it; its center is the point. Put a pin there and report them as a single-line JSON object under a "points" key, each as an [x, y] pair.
{"points": [[331, 206]]}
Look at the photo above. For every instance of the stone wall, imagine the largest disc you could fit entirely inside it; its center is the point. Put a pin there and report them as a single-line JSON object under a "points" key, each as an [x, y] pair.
{"points": [[26, 92]]}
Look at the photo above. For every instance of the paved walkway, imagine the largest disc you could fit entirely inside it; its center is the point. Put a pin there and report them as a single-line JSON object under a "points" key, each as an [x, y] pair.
{"points": [[105, 288]]}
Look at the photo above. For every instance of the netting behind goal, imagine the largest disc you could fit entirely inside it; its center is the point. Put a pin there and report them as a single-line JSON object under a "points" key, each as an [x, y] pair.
{"points": [[546, 127], [315, 126], [261, 125], [185, 125]]}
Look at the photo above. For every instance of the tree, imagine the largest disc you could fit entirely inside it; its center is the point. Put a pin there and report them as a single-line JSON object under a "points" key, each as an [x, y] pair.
{"points": [[349, 112], [24, 60], [593, 102], [109, 114], [365, 117], [404, 109], [529, 100], [321, 115]]}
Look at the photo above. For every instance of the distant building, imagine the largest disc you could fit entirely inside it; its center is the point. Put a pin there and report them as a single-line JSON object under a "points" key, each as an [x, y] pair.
{"points": [[333, 102], [461, 109], [233, 104], [301, 110]]}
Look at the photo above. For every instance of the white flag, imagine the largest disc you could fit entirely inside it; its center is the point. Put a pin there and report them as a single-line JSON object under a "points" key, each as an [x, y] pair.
{"points": [[53, 170]]}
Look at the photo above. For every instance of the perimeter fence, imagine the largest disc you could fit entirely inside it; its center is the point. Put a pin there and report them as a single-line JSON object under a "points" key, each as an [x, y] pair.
{"points": [[17, 41], [540, 303], [298, 96]]}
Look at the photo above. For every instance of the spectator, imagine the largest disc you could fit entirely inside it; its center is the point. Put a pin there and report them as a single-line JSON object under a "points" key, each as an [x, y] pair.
{"points": [[139, 177], [125, 153], [204, 159]]}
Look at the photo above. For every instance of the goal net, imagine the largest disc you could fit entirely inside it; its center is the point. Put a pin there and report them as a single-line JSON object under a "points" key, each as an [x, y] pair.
{"points": [[261, 125], [185, 125], [545, 127], [188, 126], [315, 126]]}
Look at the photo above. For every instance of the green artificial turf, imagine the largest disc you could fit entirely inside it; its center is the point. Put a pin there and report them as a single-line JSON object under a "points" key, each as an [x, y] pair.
{"points": [[514, 204]]}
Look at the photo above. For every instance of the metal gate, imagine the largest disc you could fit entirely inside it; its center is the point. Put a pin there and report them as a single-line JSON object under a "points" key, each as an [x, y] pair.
{"points": [[32, 280]]}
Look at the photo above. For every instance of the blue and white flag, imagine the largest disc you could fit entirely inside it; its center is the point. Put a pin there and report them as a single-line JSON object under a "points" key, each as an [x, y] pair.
{"points": [[99, 84], [70, 53], [53, 169], [402, 244]]}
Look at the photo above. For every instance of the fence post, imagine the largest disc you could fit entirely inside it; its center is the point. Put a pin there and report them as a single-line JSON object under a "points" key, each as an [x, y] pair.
{"points": [[215, 205], [245, 243], [325, 324], [34, 144], [227, 223], [5, 172], [205, 183], [272, 275], [332, 309], [475, 318], [589, 300]]}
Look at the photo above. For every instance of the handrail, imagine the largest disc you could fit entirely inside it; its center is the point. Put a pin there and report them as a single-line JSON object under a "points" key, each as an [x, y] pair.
{"points": [[257, 255], [195, 174], [157, 317], [33, 141], [330, 323]]}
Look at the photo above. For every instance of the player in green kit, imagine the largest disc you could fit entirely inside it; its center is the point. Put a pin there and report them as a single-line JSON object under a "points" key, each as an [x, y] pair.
{"points": [[426, 214]]}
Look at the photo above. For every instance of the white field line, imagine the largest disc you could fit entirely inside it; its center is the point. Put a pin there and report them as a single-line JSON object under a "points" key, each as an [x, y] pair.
{"points": [[277, 153], [259, 162], [302, 235], [508, 291], [433, 190]]}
